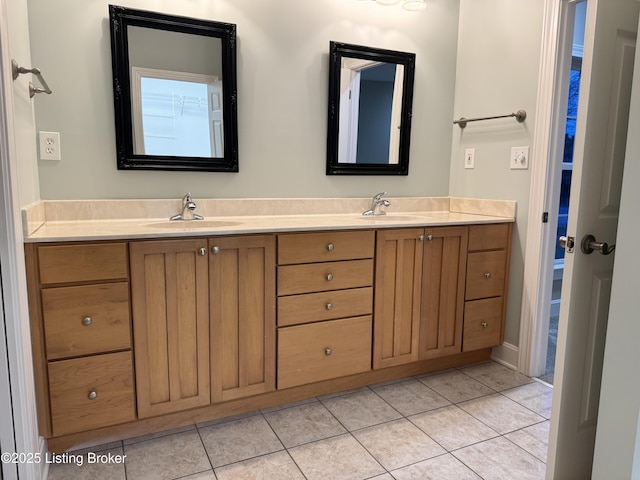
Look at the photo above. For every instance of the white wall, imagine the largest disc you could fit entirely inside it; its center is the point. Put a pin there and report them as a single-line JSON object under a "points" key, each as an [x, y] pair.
{"points": [[617, 449], [498, 61], [282, 95], [24, 124]]}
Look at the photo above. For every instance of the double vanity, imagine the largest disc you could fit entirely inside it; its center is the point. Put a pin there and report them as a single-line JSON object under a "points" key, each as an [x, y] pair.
{"points": [[141, 324]]}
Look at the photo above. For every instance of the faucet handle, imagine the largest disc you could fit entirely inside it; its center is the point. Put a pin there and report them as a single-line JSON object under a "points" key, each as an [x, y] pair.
{"points": [[378, 196]]}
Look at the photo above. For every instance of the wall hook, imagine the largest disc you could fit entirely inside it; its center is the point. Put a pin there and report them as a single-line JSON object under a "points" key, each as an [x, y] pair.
{"points": [[17, 70]]}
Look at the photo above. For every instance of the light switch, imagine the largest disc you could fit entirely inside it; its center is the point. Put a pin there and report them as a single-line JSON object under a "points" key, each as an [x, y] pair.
{"points": [[470, 158]]}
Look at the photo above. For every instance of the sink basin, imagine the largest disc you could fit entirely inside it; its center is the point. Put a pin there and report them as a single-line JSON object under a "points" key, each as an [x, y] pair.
{"points": [[192, 224], [393, 218]]}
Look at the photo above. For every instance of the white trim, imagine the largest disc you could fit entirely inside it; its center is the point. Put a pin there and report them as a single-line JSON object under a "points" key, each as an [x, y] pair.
{"points": [[545, 181], [506, 354], [14, 280]]}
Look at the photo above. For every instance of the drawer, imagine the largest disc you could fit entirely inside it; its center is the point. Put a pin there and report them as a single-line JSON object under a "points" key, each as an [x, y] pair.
{"points": [[68, 333], [321, 277], [313, 307], [325, 350], [82, 263], [489, 237], [324, 247], [72, 383], [486, 274], [482, 323]]}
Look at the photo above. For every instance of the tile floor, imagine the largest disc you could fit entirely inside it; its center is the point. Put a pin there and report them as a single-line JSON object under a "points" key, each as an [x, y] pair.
{"points": [[478, 422]]}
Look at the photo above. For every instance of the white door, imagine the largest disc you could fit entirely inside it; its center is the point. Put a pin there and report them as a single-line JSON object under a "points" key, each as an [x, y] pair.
{"points": [[601, 134], [216, 125]]}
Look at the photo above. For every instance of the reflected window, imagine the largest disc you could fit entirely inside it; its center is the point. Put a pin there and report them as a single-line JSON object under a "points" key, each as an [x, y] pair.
{"points": [[176, 114]]}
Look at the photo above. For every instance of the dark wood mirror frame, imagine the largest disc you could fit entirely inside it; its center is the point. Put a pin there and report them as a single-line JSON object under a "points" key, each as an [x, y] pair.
{"points": [[336, 54], [121, 18]]}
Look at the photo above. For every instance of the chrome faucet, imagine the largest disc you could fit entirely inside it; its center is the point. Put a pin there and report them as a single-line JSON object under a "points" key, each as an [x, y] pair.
{"points": [[188, 210], [376, 203]]}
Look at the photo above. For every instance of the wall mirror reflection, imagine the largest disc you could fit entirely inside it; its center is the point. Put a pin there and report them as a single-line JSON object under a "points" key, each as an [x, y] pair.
{"points": [[370, 98], [174, 92]]}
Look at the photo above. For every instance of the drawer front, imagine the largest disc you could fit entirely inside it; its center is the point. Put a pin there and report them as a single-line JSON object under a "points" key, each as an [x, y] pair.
{"points": [[325, 350], [324, 247], [73, 382], [313, 307], [86, 320], [321, 277], [82, 263], [486, 274], [482, 324], [489, 237]]}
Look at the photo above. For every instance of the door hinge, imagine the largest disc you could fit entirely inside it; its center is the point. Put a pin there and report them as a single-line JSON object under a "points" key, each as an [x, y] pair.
{"points": [[545, 217]]}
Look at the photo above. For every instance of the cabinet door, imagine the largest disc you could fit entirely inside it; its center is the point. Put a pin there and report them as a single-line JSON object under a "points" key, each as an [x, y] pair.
{"points": [[169, 291], [243, 322], [445, 253], [398, 282]]}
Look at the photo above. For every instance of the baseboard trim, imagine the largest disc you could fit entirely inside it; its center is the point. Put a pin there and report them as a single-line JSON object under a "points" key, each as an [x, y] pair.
{"points": [[506, 354]]}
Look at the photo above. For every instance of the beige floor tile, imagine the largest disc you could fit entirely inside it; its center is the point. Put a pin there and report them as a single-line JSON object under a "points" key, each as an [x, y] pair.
{"points": [[169, 457], [497, 376], [456, 386], [343, 392], [499, 459], [535, 396], [240, 440], [360, 409], [411, 397], [274, 466], [501, 413], [336, 458], [397, 444], [303, 424], [79, 467], [444, 467], [452, 427], [534, 439]]}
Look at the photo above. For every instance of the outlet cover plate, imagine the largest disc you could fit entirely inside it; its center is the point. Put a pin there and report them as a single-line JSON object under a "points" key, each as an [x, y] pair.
{"points": [[49, 145]]}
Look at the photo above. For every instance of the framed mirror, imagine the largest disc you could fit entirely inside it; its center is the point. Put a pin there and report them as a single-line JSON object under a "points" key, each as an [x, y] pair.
{"points": [[175, 92], [370, 98]]}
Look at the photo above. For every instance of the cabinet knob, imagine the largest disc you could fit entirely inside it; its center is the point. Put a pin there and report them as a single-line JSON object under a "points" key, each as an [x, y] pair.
{"points": [[93, 395], [329, 277], [421, 238], [429, 237], [328, 351], [86, 321], [330, 247], [487, 275], [202, 252], [215, 250], [329, 306], [484, 324]]}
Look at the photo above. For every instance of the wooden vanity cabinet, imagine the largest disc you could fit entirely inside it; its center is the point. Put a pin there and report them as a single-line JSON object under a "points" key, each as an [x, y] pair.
{"points": [[81, 334], [204, 321], [444, 271], [486, 285], [420, 279], [242, 296], [325, 298]]}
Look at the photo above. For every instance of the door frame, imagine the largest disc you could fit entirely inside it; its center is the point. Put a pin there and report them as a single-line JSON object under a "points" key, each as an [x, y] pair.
{"points": [[21, 434], [544, 195]]}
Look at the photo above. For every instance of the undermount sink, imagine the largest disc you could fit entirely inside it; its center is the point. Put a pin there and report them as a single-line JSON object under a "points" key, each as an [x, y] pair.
{"points": [[393, 218], [191, 224]]}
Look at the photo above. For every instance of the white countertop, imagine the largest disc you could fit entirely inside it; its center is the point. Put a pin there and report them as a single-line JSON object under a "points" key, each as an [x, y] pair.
{"points": [[98, 226]]}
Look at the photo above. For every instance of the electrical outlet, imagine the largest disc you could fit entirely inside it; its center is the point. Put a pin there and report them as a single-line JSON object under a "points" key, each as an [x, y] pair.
{"points": [[519, 158], [470, 158], [50, 146]]}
